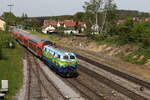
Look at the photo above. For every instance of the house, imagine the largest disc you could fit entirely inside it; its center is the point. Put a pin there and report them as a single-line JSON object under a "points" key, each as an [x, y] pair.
{"points": [[147, 19], [82, 25], [50, 22], [60, 24], [70, 24], [2, 24], [48, 29], [70, 27], [49, 26]]}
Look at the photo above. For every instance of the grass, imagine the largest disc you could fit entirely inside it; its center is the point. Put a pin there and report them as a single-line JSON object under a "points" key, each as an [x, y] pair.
{"points": [[11, 66], [11, 69]]}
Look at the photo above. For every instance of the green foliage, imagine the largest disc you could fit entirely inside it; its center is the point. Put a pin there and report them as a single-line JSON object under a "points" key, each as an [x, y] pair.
{"points": [[80, 16], [131, 32], [98, 37], [111, 12], [140, 52], [122, 14], [10, 63], [1, 54], [93, 6], [10, 18], [11, 69], [5, 39]]}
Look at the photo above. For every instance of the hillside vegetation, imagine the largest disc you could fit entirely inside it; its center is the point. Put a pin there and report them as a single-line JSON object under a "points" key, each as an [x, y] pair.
{"points": [[131, 33]]}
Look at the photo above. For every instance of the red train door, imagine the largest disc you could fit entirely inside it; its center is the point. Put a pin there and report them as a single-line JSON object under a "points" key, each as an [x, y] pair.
{"points": [[39, 51]]}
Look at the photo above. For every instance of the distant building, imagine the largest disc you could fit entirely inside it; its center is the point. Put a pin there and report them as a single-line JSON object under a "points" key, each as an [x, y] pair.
{"points": [[50, 22], [70, 26], [82, 25], [60, 24], [147, 19], [121, 22], [48, 29], [2, 24]]}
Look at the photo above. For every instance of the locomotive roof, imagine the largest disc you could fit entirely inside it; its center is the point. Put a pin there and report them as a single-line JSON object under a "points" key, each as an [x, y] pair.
{"points": [[59, 51]]}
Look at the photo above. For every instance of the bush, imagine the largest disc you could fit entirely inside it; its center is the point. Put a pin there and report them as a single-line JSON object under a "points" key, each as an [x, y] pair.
{"points": [[6, 39], [1, 54], [129, 32], [98, 37]]}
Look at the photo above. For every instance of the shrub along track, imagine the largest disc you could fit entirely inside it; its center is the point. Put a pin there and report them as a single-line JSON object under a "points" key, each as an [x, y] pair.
{"points": [[40, 87]]}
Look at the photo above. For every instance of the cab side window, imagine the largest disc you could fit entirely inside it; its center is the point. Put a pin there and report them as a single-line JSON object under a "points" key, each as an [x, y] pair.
{"points": [[59, 56]]}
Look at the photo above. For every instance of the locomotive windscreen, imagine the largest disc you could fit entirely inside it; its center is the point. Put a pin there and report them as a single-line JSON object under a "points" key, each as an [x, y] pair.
{"points": [[49, 43]]}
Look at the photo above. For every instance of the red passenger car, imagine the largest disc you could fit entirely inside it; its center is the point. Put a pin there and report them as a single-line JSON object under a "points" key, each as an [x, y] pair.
{"points": [[36, 44], [32, 42]]}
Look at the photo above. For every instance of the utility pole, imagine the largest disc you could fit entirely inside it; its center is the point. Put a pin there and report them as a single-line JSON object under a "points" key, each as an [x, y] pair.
{"points": [[10, 7]]}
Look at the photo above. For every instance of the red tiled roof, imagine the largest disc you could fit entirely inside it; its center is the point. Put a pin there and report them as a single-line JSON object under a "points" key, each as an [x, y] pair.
{"points": [[61, 22], [47, 22], [70, 23]]}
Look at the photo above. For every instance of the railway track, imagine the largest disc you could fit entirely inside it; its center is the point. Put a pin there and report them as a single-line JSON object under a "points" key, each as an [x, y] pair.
{"points": [[112, 84], [50, 90], [35, 84], [84, 90], [116, 72]]}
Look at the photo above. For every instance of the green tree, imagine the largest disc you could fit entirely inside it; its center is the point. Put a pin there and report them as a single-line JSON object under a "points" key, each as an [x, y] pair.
{"points": [[80, 16], [10, 18], [110, 16], [93, 6]]}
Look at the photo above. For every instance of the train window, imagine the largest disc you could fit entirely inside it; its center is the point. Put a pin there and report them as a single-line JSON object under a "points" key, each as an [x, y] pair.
{"points": [[52, 52], [65, 57], [47, 42], [72, 57], [56, 55], [45, 49], [59, 56]]}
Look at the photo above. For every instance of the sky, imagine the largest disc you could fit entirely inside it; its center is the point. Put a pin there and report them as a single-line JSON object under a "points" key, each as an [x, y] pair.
{"points": [[63, 7]]}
